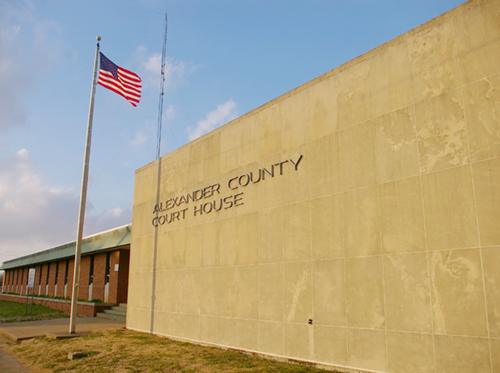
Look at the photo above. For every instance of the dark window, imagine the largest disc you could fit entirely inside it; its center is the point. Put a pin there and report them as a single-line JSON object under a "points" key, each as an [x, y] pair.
{"points": [[48, 273], [66, 273], [108, 263], [57, 272], [91, 270], [40, 275]]}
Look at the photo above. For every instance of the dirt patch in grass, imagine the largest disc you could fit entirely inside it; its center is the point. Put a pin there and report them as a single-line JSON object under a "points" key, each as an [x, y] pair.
{"points": [[129, 351]]}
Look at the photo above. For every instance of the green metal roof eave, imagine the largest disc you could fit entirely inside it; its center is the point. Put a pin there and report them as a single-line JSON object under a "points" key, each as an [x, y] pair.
{"points": [[113, 238]]}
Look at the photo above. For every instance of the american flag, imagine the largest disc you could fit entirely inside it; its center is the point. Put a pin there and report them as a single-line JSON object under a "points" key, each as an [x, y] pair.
{"points": [[119, 80]]}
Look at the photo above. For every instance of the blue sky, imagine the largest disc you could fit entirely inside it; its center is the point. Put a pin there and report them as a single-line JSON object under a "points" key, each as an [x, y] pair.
{"points": [[224, 58]]}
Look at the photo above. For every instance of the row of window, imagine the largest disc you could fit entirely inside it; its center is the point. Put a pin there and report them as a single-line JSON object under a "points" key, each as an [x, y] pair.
{"points": [[12, 279]]}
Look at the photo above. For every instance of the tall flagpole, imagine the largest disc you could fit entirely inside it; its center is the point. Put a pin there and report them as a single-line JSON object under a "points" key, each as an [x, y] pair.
{"points": [[83, 199]]}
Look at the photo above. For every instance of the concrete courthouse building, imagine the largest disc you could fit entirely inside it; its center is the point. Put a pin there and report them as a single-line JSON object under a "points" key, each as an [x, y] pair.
{"points": [[353, 221]]}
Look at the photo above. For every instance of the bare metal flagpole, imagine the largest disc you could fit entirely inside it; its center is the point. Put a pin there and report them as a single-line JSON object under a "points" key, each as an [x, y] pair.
{"points": [[83, 199]]}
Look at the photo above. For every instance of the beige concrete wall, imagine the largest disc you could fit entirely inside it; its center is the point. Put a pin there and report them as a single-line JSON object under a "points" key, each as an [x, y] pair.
{"points": [[376, 245]]}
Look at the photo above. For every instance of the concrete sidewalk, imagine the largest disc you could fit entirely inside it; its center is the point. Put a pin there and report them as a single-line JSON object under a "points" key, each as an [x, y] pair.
{"points": [[56, 328], [9, 363]]}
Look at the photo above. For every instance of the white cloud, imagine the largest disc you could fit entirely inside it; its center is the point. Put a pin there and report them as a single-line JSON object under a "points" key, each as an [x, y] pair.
{"points": [[223, 114], [47, 43], [115, 213], [109, 219], [35, 215], [14, 81], [153, 63], [169, 112], [175, 71], [17, 25], [139, 139]]}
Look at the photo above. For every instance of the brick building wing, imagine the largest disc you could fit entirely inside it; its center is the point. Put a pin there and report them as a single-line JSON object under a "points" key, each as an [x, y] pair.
{"points": [[103, 274]]}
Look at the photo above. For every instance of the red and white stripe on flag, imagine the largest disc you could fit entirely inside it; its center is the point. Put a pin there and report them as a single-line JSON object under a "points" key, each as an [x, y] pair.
{"points": [[121, 81]]}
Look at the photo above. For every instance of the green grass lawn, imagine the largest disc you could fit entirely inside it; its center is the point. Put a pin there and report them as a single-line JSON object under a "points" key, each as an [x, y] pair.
{"points": [[13, 311]]}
